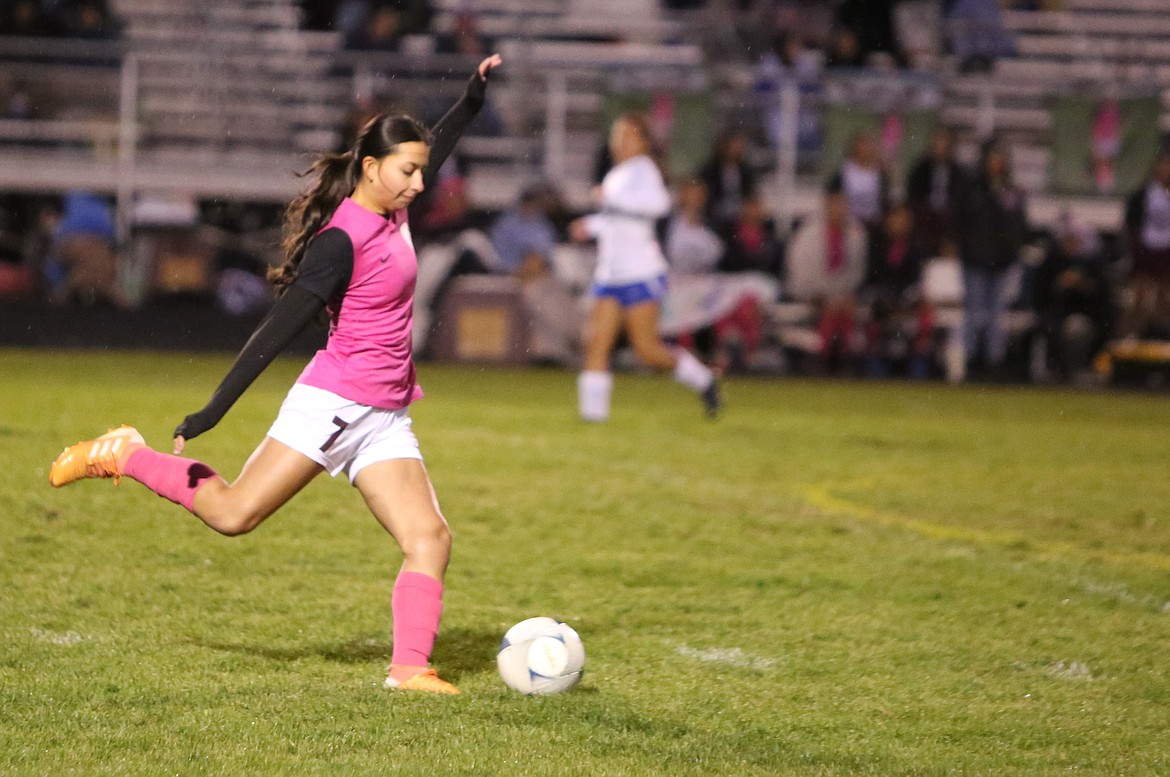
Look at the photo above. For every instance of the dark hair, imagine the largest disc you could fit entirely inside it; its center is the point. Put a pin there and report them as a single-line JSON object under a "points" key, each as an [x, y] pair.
{"points": [[334, 178]]}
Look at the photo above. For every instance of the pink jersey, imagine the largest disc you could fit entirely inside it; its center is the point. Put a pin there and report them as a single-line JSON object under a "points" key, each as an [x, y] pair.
{"points": [[367, 358]]}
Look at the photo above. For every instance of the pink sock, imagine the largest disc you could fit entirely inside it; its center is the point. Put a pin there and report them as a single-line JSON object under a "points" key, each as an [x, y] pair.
{"points": [[417, 605], [172, 477]]}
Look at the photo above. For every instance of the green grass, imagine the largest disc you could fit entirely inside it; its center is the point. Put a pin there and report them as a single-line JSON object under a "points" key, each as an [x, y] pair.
{"points": [[834, 579]]}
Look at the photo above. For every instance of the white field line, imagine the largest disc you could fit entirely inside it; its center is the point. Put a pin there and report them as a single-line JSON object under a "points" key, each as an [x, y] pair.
{"points": [[67, 639], [729, 656]]}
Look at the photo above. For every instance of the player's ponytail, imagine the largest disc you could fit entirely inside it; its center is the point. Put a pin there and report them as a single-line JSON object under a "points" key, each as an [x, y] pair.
{"points": [[334, 177]]}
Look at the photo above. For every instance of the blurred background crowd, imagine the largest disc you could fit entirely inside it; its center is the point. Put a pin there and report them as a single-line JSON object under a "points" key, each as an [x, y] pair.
{"points": [[927, 189]]}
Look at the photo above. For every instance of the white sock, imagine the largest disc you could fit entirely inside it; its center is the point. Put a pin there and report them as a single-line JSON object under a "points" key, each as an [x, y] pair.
{"points": [[691, 372], [593, 391]]}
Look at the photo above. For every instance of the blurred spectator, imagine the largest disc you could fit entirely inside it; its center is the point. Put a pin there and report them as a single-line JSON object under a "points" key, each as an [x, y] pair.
{"points": [[991, 223], [722, 312], [387, 21], [844, 49], [444, 208], [466, 38], [1147, 227], [863, 179], [17, 277], [89, 19], [751, 241], [319, 14], [82, 266], [872, 23], [349, 16], [977, 33], [238, 232], [380, 30], [752, 247], [92, 20], [450, 242], [1074, 297], [29, 18], [932, 189], [524, 236], [794, 56], [901, 322], [729, 178], [824, 267], [692, 247], [524, 239]]}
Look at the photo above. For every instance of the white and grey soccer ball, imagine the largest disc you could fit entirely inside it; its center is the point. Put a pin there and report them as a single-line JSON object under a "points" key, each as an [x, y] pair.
{"points": [[541, 656]]}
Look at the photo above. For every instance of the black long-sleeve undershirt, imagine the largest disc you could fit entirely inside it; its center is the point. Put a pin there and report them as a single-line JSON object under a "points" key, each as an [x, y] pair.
{"points": [[324, 271], [450, 128]]}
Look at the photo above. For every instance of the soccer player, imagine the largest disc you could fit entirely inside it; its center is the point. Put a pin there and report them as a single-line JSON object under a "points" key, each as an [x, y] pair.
{"points": [[630, 280], [348, 251]]}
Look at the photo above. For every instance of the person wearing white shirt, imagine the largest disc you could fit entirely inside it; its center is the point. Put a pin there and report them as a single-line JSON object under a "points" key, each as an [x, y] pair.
{"points": [[630, 280]]}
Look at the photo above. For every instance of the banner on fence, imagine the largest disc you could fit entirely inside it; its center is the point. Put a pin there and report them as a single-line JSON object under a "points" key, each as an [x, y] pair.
{"points": [[1102, 145], [902, 136]]}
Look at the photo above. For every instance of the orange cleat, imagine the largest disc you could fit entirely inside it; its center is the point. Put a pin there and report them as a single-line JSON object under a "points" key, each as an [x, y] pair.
{"points": [[424, 679], [103, 457]]}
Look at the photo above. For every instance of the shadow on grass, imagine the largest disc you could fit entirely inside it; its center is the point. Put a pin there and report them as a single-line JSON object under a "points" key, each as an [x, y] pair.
{"points": [[458, 652], [461, 652]]}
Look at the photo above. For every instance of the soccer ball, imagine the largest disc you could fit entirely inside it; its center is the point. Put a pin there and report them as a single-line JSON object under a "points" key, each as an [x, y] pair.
{"points": [[541, 656]]}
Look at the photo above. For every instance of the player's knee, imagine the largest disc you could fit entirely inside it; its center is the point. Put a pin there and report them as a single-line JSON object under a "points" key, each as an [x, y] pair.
{"points": [[433, 542], [238, 519]]}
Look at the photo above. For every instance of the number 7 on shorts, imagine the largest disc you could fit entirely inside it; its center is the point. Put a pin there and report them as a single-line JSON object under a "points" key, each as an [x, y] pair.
{"points": [[333, 437]]}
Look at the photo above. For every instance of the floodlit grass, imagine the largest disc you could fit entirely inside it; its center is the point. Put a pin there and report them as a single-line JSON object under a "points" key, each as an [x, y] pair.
{"points": [[835, 578]]}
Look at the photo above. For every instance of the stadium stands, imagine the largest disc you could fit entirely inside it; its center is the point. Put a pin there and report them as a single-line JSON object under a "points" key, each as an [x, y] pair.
{"points": [[224, 99]]}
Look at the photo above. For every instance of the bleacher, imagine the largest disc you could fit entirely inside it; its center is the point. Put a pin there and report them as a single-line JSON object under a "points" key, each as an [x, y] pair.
{"points": [[1085, 46], [227, 98]]}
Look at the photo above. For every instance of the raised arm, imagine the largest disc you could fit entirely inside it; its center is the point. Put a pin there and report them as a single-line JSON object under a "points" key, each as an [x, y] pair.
{"points": [[452, 126], [326, 269]]}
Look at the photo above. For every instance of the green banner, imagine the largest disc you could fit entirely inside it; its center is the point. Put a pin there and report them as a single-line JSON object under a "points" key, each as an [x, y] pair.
{"points": [[902, 137], [1101, 145]]}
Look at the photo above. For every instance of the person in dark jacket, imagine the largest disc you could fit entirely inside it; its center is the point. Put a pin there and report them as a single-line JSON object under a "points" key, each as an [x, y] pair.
{"points": [[1147, 233], [991, 226], [1074, 296], [729, 178], [933, 187]]}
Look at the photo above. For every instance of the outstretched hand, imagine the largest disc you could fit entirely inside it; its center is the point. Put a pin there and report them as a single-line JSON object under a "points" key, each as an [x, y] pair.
{"points": [[193, 426], [489, 64]]}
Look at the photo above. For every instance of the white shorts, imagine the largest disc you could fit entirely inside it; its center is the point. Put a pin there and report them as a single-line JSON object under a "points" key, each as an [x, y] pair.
{"points": [[342, 435]]}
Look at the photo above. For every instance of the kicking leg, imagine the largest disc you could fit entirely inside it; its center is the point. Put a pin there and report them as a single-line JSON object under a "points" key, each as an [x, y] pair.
{"points": [[271, 477]]}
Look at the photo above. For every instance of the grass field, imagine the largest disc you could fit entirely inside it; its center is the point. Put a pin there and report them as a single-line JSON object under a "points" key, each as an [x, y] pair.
{"points": [[834, 579]]}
